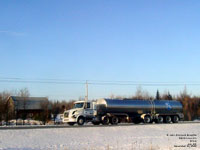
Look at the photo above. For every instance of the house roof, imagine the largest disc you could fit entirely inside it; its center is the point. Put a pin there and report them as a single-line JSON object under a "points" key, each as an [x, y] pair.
{"points": [[28, 103]]}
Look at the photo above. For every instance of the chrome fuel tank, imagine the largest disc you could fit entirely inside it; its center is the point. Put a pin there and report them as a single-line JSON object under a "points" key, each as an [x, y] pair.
{"points": [[124, 106], [138, 106], [166, 106]]}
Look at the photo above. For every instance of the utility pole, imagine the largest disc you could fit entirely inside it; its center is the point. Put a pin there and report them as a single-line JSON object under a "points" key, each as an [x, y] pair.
{"points": [[86, 97]]}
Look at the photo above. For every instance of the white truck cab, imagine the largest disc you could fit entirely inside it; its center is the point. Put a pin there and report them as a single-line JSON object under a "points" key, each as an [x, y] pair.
{"points": [[81, 112]]}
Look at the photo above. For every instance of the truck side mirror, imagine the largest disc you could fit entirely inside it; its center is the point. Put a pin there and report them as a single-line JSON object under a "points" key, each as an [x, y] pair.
{"points": [[86, 105]]}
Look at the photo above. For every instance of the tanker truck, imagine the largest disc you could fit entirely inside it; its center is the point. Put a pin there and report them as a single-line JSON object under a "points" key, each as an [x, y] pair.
{"points": [[114, 111]]}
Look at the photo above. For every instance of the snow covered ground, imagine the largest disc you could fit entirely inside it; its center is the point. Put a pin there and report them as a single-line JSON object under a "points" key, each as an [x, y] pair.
{"points": [[134, 137]]}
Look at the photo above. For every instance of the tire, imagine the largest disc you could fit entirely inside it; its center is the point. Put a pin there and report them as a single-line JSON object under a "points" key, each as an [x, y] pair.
{"points": [[105, 120], [147, 119], [160, 119], [71, 123], [81, 121], [168, 119], [114, 120], [175, 119]]}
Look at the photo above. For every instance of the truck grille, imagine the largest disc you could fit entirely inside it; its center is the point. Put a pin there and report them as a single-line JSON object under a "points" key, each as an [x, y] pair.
{"points": [[66, 114]]}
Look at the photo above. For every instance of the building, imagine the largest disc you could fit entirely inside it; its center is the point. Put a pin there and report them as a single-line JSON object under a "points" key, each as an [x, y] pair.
{"points": [[27, 107]]}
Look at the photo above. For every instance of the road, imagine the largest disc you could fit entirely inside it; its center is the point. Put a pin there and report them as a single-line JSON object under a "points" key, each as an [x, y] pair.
{"points": [[84, 126]]}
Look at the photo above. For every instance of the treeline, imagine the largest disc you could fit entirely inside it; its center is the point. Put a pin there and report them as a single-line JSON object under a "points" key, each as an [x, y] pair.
{"points": [[191, 104]]}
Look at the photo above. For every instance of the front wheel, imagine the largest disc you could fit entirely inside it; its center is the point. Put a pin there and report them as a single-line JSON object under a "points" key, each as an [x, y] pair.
{"points": [[81, 121]]}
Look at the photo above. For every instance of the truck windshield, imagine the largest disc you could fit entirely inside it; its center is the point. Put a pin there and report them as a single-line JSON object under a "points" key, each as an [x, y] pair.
{"points": [[78, 105]]}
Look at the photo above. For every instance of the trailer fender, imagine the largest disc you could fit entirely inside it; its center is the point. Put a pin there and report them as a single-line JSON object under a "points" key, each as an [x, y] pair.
{"points": [[143, 115], [181, 116], [156, 116]]}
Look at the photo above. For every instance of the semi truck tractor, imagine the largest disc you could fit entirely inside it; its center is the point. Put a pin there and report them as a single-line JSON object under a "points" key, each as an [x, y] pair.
{"points": [[114, 111]]}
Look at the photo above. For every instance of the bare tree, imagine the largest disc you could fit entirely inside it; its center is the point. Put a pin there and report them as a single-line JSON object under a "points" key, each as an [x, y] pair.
{"points": [[184, 94], [55, 109], [45, 115], [142, 94], [6, 109], [25, 94], [112, 96], [138, 93], [2, 108]]}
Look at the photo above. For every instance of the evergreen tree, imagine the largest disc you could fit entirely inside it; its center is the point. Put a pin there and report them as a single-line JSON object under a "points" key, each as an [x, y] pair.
{"points": [[169, 97], [157, 95]]}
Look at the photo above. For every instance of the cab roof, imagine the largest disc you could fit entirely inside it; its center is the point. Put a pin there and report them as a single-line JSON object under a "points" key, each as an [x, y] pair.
{"points": [[79, 102]]}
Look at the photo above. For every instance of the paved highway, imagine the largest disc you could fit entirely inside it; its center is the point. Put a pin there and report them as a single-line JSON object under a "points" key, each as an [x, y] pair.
{"points": [[76, 126]]}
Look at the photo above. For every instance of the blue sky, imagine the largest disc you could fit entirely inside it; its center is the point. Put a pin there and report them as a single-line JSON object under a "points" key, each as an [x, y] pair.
{"points": [[114, 40]]}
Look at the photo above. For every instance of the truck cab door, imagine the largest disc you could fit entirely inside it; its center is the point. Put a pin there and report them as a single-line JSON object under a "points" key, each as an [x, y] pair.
{"points": [[88, 111]]}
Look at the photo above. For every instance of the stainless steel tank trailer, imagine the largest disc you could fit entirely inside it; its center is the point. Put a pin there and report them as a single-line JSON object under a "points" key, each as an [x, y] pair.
{"points": [[114, 111]]}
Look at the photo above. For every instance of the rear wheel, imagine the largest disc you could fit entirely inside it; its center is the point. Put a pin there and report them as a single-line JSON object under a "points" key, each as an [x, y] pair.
{"points": [[114, 120], [105, 120], [175, 119], [168, 119], [81, 121], [160, 119], [147, 119]]}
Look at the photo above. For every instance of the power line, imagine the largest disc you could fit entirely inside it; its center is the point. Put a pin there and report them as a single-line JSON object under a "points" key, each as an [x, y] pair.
{"points": [[48, 82], [41, 79], [6, 79], [96, 82], [146, 84]]}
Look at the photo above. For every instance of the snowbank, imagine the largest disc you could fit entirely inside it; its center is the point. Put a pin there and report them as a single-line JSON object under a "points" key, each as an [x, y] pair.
{"points": [[20, 122], [134, 137]]}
